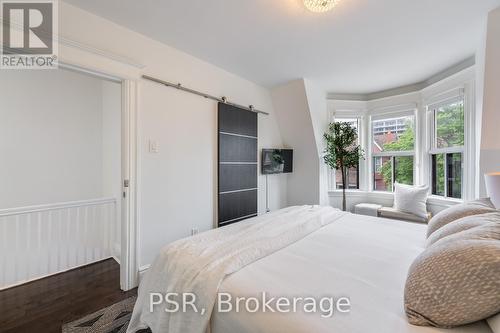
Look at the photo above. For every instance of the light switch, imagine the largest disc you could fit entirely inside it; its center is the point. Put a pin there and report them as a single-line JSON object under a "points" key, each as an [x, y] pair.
{"points": [[154, 147]]}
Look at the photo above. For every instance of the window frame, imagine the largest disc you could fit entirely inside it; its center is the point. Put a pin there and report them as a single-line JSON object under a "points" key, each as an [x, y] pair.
{"points": [[433, 150], [397, 112], [340, 116]]}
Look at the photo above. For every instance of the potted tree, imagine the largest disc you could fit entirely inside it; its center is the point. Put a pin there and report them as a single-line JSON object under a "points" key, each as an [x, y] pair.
{"points": [[342, 151]]}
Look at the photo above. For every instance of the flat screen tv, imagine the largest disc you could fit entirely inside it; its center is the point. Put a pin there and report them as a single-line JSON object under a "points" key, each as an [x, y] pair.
{"points": [[276, 161]]}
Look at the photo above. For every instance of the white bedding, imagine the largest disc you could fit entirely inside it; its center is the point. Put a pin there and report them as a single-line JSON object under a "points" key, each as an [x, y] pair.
{"points": [[363, 258], [199, 264], [296, 252]]}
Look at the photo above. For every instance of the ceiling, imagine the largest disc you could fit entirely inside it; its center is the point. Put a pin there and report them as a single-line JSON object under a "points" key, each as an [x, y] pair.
{"points": [[362, 46]]}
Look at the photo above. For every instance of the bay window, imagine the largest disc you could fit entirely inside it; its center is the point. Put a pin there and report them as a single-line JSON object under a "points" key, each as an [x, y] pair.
{"points": [[393, 150], [422, 138]]}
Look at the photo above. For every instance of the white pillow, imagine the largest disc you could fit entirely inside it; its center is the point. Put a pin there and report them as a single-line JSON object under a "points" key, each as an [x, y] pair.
{"points": [[494, 323], [411, 199]]}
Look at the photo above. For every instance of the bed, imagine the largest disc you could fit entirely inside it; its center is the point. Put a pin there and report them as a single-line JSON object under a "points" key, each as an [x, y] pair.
{"points": [[363, 258]]}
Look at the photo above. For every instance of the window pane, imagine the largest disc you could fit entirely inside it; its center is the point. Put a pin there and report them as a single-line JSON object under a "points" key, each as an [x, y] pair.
{"points": [[447, 175], [352, 179], [454, 165], [438, 175], [450, 125], [393, 134], [403, 169], [382, 175], [354, 122], [352, 174]]}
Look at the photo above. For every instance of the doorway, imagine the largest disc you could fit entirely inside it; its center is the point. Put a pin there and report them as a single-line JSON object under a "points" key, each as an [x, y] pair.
{"points": [[61, 175]]}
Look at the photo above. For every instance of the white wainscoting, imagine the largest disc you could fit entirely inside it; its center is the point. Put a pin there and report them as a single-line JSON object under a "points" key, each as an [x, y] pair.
{"points": [[38, 241]]}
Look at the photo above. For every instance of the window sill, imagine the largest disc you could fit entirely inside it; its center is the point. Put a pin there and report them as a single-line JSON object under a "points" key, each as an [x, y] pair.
{"points": [[433, 200], [366, 195], [352, 193], [442, 201], [360, 192]]}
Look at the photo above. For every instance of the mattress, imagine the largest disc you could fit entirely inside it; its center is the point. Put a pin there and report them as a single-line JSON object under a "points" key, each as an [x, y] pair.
{"points": [[363, 258]]}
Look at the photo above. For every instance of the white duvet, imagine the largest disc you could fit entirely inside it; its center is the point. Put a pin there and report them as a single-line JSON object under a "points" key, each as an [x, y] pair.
{"points": [[360, 257], [199, 264], [295, 252]]}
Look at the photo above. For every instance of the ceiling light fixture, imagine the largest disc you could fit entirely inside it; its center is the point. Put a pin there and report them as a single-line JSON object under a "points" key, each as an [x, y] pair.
{"points": [[320, 6]]}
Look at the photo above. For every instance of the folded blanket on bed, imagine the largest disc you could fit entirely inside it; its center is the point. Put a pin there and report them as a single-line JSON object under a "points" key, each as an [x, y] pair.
{"points": [[199, 264]]}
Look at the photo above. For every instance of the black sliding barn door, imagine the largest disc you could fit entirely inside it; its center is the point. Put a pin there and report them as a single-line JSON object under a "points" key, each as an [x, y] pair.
{"points": [[237, 163]]}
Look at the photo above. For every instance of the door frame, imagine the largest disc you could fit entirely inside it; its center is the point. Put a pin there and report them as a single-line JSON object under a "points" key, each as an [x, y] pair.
{"points": [[129, 268]]}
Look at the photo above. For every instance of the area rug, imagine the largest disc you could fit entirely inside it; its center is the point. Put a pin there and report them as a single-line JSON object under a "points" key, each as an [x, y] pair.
{"points": [[113, 319]]}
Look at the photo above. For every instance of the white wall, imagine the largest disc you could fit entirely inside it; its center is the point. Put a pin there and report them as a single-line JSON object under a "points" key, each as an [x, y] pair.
{"points": [[480, 72], [292, 108], [50, 137], [60, 140], [490, 138], [176, 186], [316, 98]]}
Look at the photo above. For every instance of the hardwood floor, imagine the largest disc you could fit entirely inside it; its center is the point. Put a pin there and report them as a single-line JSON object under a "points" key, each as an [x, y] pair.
{"points": [[43, 306]]}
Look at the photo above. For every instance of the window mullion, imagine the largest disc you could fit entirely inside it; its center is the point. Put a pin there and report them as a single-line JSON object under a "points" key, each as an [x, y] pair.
{"points": [[450, 150], [434, 130], [393, 162], [394, 153], [445, 158]]}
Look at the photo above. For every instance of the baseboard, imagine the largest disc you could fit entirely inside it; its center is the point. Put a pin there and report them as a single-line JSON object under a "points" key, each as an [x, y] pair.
{"points": [[116, 259]]}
